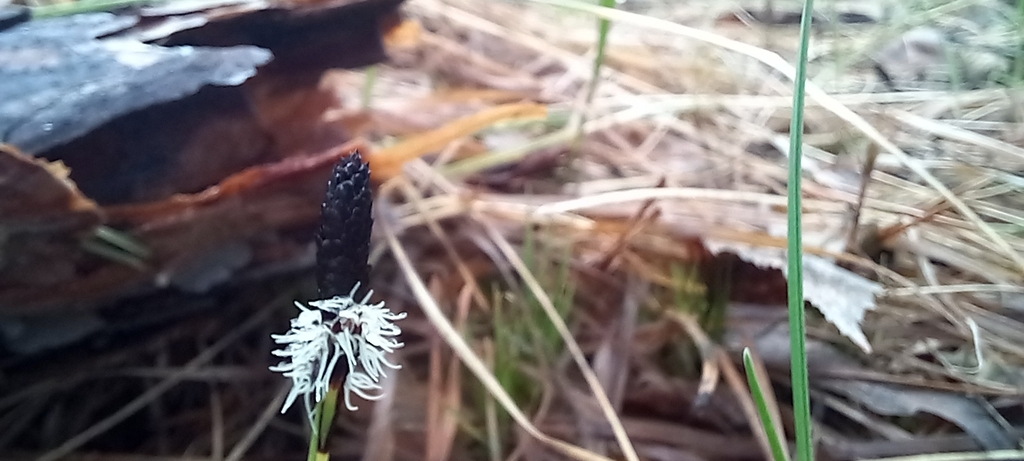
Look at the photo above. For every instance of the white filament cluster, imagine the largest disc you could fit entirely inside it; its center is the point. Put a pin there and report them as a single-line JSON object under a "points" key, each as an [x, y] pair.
{"points": [[319, 336]]}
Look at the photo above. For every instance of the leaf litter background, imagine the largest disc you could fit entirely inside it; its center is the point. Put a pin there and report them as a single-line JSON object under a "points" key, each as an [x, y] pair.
{"points": [[658, 238]]}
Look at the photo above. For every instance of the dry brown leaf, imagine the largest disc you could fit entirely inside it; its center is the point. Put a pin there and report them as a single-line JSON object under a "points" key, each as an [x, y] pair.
{"points": [[387, 162], [405, 34], [483, 95]]}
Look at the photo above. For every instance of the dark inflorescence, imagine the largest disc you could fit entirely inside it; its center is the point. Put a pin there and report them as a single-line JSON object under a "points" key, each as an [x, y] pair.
{"points": [[343, 243]]}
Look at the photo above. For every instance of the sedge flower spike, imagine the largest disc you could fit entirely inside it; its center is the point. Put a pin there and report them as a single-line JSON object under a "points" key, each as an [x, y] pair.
{"points": [[332, 330], [340, 327]]}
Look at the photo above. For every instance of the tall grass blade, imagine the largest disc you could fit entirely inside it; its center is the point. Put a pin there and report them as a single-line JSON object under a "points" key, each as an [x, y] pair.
{"points": [[797, 319]]}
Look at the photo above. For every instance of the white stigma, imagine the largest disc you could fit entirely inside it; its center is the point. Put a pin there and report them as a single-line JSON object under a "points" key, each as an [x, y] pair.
{"points": [[363, 333]]}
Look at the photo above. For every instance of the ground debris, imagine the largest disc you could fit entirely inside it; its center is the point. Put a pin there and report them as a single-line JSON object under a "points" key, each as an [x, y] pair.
{"points": [[637, 219]]}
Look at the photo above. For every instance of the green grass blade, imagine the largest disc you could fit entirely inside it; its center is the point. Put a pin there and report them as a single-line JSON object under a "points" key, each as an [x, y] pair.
{"points": [[111, 253], [1018, 58], [118, 247], [88, 6], [368, 85], [603, 27], [123, 241], [774, 438], [797, 320]]}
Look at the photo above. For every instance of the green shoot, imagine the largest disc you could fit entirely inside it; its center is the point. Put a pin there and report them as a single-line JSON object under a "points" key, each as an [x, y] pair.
{"points": [[757, 390], [369, 82], [1018, 58], [510, 348], [323, 418], [118, 247], [122, 241], [795, 282], [603, 27], [491, 409], [88, 6], [689, 292], [525, 341]]}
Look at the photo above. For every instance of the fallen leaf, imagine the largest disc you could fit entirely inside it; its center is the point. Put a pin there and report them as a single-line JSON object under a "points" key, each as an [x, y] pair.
{"points": [[387, 162], [463, 95], [843, 297]]}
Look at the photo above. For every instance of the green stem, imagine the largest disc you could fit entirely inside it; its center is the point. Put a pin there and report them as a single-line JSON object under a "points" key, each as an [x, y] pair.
{"points": [[323, 418], [797, 320]]}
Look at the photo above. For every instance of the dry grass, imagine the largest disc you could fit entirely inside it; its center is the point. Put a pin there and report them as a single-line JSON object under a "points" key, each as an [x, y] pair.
{"points": [[684, 151]]}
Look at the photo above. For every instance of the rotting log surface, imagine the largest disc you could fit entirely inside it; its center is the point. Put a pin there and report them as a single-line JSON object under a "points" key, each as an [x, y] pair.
{"points": [[59, 82], [139, 141]]}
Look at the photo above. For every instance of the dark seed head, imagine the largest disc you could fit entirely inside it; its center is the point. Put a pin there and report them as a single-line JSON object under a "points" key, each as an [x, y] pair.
{"points": [[343, 243]]}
